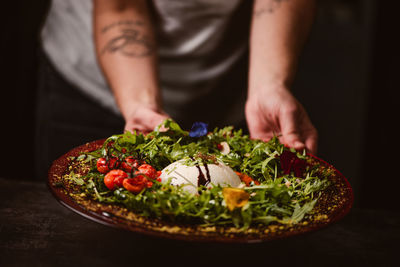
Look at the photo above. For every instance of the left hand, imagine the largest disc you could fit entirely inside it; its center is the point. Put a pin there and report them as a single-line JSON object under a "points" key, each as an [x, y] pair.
{"points": [[277, 112]]}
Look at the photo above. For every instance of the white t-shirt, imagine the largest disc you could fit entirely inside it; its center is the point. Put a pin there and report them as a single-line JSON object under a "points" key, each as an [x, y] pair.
{"points": [[192, 53]]}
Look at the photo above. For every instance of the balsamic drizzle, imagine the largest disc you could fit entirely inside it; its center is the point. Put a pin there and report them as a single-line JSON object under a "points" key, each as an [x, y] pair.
{"points": [[207, 173], [201, 180]]}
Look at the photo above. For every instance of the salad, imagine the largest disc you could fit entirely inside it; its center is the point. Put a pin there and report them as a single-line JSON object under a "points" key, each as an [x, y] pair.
{"points": [[278, 185]]}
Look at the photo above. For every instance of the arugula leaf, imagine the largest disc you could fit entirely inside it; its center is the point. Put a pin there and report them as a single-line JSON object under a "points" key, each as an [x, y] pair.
{"points": [[300, 212]]}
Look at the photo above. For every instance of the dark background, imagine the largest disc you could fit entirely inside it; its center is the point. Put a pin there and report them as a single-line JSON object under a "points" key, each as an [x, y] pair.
{"points": [[347, 81]]}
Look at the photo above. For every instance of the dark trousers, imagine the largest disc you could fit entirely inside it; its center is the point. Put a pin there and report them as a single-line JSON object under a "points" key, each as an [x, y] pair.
{"points": [[65, 118]]}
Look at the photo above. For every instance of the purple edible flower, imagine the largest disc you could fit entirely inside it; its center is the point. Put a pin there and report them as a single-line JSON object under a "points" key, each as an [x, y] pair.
{"points": [[198, 129]]}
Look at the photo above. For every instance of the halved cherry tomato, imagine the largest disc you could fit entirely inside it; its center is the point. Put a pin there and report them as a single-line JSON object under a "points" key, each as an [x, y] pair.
{"points": [[102, 165], [246, 179], [129, 164], [147, 170], [114, 178], [136, 184]]}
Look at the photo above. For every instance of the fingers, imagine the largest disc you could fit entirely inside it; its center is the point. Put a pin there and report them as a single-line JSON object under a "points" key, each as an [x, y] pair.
{"points": [[289, 124], [293, 140], [155, 119], [312, 142], [257, 132], [298, 131], [145, 120], [258, 128], [284, 116]]}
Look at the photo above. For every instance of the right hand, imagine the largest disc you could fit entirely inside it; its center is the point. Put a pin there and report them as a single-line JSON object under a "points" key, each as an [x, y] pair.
{"points": [[144, 119], [277, 112]]}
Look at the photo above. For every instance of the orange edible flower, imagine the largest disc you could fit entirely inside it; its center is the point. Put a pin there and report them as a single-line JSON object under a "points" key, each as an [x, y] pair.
{"points": [[235, 197]]}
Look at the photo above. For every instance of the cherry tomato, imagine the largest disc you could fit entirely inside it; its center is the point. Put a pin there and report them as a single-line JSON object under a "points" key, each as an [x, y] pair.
{"points": [[129, 164], [114, 178], [109, 182], [147, 170], [113, 163], [136, 184], [102, 165]]}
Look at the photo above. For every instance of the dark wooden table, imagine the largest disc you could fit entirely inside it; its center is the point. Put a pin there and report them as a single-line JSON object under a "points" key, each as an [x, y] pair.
{"points": [[35, 230]]}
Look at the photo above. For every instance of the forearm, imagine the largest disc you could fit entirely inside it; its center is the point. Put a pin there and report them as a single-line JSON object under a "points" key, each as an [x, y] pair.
{"points": [[126, 51], [279, 29]]}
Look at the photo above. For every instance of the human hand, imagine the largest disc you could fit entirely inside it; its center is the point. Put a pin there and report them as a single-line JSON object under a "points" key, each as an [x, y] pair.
{"points": [[277, 112], [144, 119]]}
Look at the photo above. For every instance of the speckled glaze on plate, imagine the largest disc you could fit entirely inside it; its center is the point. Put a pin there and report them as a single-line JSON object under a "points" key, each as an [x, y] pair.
{"points": [[332, 206]]}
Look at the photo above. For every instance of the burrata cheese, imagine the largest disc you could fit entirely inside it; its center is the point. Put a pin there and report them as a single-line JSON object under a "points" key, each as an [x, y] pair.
{"points": [[197, 174]]}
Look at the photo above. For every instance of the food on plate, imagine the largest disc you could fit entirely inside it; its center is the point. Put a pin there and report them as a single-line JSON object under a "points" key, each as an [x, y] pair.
{"points": [[220, 181]]}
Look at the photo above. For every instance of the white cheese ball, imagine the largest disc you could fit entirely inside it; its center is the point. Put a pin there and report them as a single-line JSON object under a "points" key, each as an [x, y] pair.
{"points": [[194, 176]]}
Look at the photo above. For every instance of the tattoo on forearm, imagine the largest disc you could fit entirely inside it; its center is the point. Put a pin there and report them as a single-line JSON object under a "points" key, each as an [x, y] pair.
{"points": [[130, 40], [271, 6], [121, 23]]}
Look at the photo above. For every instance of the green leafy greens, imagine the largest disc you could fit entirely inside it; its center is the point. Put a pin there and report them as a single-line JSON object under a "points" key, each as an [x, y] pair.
{"points": [[278, 198]]}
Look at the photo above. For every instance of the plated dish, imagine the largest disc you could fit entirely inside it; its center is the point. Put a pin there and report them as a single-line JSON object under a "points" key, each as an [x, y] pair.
{"points": [[199, 185]]}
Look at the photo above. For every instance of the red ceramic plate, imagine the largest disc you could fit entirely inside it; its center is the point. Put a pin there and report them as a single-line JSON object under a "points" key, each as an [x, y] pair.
{"points": [[331, 207]]}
